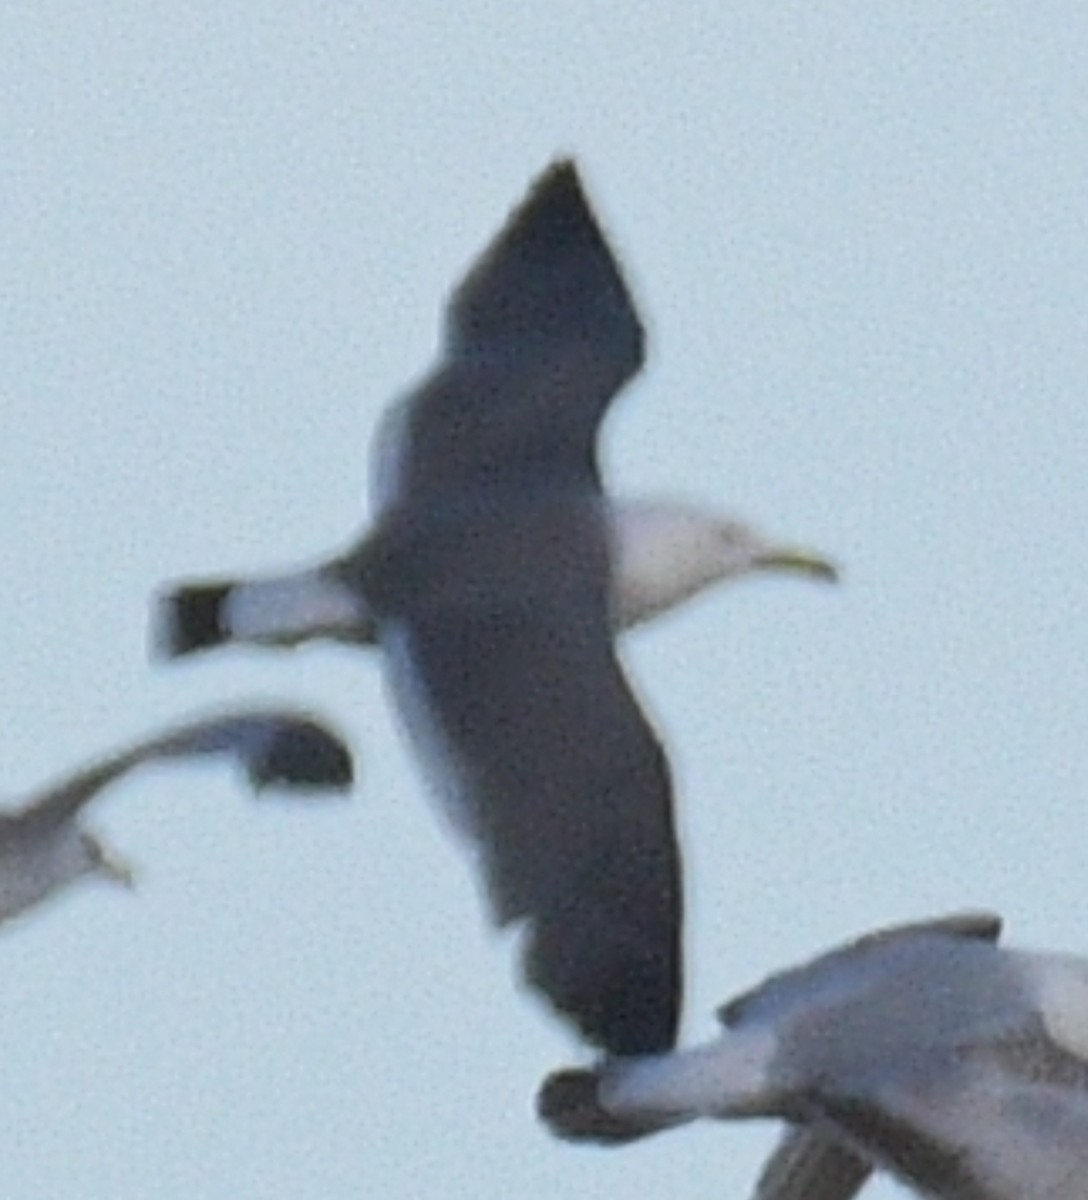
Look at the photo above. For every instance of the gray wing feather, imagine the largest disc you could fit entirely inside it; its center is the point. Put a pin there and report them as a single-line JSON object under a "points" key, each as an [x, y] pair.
{"points": [[287, 748], [568, 796], [981, 926], [808, 1166], [541, 336]]}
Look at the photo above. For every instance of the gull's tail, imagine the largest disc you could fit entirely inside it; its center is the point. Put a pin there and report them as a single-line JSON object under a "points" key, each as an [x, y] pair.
{"points": [[191, 618], [282, 610], [626, 1099], [569, 1103]]}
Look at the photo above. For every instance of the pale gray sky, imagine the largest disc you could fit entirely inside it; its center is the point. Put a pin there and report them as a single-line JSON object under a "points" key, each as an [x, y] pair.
{"points": [[859, 237]]}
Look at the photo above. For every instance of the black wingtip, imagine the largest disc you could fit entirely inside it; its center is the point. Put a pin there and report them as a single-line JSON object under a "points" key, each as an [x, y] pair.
{"points": [[305, 755], [191, 619], [556, 221], [569, 1104], [558, 182], [549, 272], [613, 969]]}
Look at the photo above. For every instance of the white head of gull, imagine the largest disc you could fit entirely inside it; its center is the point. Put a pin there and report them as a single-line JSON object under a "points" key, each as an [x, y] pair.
{"points": [[493, 578], [664, 553], [926, 1051], [44, 848]]}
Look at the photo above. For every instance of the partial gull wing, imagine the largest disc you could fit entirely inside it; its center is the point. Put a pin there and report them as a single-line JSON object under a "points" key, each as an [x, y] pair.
{"points": [[810, 1166], [44, 848], [275, 747], [548, 279], [541, 336], [524, 719], [977, 926]]}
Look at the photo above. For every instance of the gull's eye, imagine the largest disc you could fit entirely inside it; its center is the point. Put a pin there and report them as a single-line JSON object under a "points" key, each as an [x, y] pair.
{"points": [[733, 534]]}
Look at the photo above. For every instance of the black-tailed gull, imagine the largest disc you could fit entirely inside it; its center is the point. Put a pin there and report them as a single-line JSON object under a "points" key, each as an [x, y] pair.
{"points": [[493, 578]]}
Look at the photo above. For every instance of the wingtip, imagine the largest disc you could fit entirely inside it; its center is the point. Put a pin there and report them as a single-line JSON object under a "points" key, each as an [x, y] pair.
{"points": [[304, 754], [554, 208], [561, 172]]}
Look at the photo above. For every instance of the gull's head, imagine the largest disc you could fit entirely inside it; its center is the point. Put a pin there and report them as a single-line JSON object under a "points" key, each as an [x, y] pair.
{"points": [[666, 553], [98, 861], [738, 550]]}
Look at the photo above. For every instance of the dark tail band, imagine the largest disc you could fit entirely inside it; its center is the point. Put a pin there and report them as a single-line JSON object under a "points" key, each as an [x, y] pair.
{"points": [[192, 619], [569, 1104]]}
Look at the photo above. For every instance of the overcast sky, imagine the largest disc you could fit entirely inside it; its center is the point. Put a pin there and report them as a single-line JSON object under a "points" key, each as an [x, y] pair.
{"points": [[859, 238]]}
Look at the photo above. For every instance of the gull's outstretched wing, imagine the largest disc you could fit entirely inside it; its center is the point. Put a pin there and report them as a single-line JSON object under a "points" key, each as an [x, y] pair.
{"points": [[540, 337], [980, 926], [809, 1166], [527, 724], [274, 747]]}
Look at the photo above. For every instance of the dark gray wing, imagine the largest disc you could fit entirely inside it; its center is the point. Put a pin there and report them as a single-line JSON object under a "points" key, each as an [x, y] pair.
{"points": [[274, 747], [541, 336], [808, 1166], [565, 790]]}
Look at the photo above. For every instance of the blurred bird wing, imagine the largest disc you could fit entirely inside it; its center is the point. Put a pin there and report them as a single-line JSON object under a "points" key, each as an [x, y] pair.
{"points": [[806, 1165], [254, 737], [540, 337]]}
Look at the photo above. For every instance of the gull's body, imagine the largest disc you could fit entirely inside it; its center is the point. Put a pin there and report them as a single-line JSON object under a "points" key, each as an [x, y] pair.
{"points": [[44, 848], [928, 1052], [661, 554], [493, 579]]}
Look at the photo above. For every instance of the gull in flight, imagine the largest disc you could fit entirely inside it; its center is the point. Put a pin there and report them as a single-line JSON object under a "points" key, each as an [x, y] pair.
{"points": [[44, 848], [493, 579], [926, 1051]]}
